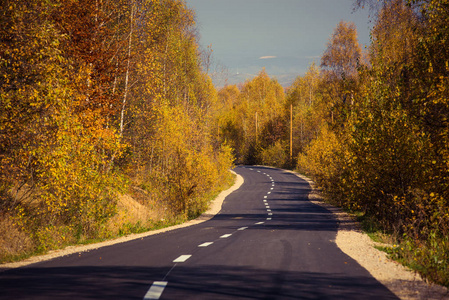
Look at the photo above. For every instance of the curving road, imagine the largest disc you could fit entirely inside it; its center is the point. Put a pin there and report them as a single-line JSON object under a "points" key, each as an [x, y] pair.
{"points": [[267, 242]]}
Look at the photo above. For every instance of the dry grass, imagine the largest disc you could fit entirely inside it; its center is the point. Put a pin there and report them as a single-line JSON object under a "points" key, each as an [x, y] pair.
{"points": [[13, 242], [130, 212]]}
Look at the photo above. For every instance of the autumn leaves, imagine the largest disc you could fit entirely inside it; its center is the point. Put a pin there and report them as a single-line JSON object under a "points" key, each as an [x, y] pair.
{"points": [[383, 147], [98, 97]]}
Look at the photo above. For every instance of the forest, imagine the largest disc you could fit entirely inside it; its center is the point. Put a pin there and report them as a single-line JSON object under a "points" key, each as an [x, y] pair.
{"points": [[106, 124], [110, 124]]}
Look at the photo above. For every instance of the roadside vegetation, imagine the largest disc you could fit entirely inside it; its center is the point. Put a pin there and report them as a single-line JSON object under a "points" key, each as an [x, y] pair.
{"points": [[381, 147], [104, 122]]}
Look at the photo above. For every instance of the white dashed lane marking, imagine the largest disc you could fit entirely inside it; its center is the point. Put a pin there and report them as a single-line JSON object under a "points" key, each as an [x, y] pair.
{"points": [[155, 290], [182, 258]]}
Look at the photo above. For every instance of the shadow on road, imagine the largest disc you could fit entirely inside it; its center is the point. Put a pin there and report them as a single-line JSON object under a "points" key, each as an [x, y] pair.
{"points": [[215, 282]]}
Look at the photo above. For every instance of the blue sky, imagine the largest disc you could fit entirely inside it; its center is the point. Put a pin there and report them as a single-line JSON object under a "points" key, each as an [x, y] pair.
{"points": [[284, 36]]}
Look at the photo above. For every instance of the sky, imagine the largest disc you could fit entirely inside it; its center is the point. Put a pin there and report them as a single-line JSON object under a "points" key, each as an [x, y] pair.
{"points": [[284, 36]]}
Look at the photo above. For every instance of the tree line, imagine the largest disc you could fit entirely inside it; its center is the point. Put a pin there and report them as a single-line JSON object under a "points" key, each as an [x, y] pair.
{"points": [[101, 98]]}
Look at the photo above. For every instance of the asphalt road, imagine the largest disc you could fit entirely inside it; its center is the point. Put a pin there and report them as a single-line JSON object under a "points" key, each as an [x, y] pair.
{"points": [[267, 242]]}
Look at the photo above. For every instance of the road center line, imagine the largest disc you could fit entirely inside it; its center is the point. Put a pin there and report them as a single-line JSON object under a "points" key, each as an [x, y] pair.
{"points": [[268, 219], [155, 290], [259, 223], [242, 228], [224, 236], [182, 258], [205, 244]]}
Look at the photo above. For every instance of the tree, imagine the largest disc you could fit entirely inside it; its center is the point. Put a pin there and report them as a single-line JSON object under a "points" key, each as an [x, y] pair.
{"points": [[340, 63], [309, 111], [342, 55]]}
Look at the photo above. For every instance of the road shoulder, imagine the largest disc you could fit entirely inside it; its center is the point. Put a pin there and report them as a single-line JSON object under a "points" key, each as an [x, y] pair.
{"points": [[399, 279]]}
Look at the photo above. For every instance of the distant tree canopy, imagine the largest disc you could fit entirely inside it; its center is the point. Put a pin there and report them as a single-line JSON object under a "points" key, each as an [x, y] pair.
{"points": [[252, 121]]}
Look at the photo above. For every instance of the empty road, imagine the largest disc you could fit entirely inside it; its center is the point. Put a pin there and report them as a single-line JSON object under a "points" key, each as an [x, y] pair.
{"points": [[268, 242]]}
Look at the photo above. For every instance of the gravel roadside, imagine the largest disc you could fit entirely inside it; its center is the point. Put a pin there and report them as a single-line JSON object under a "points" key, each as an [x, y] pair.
{"points": [[400, 280]]}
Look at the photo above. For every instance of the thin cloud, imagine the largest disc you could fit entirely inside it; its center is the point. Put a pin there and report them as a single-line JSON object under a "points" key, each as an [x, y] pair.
{"points": [[267, 57]]}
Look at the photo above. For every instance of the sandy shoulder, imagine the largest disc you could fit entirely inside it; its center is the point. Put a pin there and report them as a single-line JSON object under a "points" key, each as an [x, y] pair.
{"points": [[214, 208], [400, 280]]}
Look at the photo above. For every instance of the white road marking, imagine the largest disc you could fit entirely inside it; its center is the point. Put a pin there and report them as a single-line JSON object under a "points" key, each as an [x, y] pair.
{"points": [[242, 228], [270, 214], [272, 189], [182, 258], [269, 193], [251, 169], [265, 197], [268, 219], [205, 244], [259, 223], [268, 209], [224, 236], [155, 290]]}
